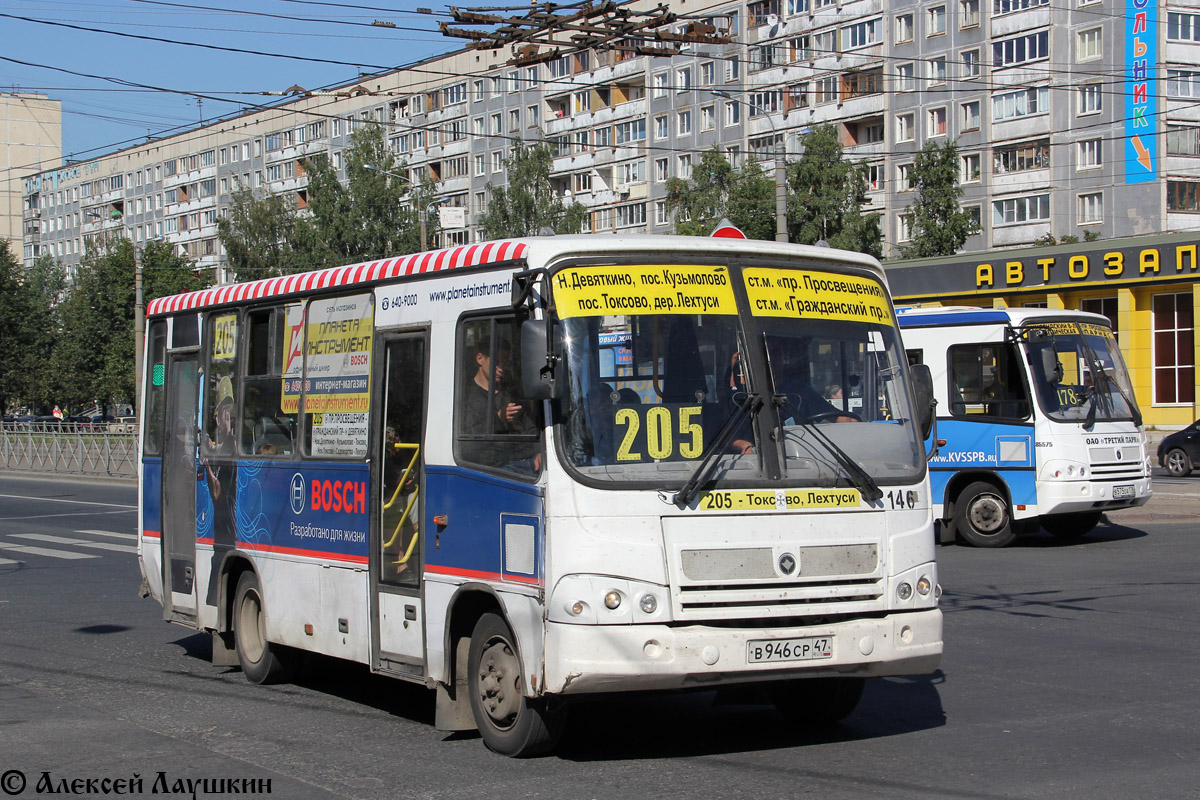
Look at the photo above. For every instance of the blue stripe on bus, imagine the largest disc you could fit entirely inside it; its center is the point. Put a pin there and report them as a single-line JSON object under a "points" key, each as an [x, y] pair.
{"points": [[952, 318], [1005, 450], [152, 495], [472, 542]]}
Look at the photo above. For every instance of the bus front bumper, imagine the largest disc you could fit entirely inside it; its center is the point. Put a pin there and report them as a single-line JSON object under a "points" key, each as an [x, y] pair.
{"points": [[603, 658], [1069, 497]]}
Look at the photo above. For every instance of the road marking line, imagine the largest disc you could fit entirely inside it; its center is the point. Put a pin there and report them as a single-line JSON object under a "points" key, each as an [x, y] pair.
{"points": [[112, 534], [63, 500], [46, 537], [42, 551], [5, 561]]}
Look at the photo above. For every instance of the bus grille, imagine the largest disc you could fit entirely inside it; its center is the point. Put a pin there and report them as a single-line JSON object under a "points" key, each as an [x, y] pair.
{"points": [[1117, 463], [749, 582]]}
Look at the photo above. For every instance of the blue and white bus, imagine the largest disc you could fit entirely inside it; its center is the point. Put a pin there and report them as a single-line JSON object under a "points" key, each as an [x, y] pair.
{"points": [[524, 471], [1037, 423]]}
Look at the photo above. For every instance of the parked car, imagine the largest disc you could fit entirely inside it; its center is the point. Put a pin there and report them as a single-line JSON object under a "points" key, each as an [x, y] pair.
{"points": [[123, 425], [1179, 452]]}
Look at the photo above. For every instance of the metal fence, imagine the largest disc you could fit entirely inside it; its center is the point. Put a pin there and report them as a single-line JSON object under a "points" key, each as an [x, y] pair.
{"points": [[69, 449]]}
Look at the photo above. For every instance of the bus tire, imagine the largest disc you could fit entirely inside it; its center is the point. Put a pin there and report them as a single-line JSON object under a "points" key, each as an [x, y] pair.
{"points": [[817, 701], [982, 517], [510, 723], [1178, 464], [1071, 526], [261, 661]]}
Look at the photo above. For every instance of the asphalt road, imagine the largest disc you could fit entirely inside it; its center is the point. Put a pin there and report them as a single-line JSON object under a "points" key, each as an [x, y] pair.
{"points": [[1070, 672]]}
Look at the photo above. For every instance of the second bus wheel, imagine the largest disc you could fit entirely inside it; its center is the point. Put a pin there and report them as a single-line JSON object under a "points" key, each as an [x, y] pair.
{"points": [[982, 517], [261, 661], [817, 701], [510, 723], [1071, 526]]}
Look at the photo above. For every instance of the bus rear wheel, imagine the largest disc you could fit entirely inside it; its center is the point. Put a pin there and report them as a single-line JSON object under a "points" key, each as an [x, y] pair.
{"points": [[817, 701], [261, 661], [982, 516], [510, 723], [1071, 526]]}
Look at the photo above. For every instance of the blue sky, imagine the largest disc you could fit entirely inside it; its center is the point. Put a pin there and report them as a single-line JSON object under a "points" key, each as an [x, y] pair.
{"points": [[100, 114]]}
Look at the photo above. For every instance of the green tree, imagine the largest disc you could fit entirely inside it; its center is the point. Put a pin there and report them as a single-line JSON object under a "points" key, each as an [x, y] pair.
{"points": [[717, 191], [29, 301], [256, 234], [10, 326], [825, 197], [527, 204], [938, 225], [165, 273], [372, 215]]}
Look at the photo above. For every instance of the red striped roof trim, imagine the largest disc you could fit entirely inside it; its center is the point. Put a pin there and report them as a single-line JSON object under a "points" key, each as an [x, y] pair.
{"points": [[472, 255]]}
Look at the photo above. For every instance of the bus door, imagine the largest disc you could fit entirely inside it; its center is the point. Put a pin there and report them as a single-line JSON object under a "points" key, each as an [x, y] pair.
{"points": [[179, 490], [397, 553]]}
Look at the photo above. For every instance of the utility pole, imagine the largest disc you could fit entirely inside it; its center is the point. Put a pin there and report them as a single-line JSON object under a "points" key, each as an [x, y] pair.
{"points": [[139, 324], [777, 148]]}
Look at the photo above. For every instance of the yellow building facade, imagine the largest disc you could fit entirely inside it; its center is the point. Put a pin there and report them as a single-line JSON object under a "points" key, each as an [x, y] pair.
{"points": [[1149, 287]]}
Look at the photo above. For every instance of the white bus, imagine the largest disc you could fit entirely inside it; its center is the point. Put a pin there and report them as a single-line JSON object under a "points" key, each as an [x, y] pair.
{"points": [[1037, 422], [522, 471]]}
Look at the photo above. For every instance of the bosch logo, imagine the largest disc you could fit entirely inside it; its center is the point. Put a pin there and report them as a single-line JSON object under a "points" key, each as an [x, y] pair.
{"points": [[788, 564], [339, 496], [297, 493]]}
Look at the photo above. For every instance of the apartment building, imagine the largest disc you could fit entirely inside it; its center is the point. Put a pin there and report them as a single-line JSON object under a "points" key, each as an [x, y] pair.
{"points": [[1074, 119], [30, 140]]}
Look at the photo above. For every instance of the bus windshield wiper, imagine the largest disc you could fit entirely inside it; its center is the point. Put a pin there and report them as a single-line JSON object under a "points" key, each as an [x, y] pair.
{"points": [[1109, 384], [859, 476], [749, 404]]}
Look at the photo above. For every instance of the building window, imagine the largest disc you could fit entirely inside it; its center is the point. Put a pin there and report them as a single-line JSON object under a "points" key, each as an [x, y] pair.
{"points": [[861, 83], [1183, 83], [683, 79], [826, 90], [937, 70], [800, 48], [904, 227], [708, 118], [1087, 45], [1021, 50], [874, 174], [905, 77], [1174, 349], [1104, 306], [1009, 6], [904, 28], [862, 34], [970, 116], [1090, 210], [1183, 27], [970, 64], [936, 122], [904, 177], [1183, 196], [935, 21], [732, 69], [658, 84], [971, 170], [1183, 141], [683, 168], [1020, 210], [660, 213], [662, 128], [968, 13], [660, 170], [904, 128], [1022, 157], [1089, 154], [683, 123], [1021, 103], [733, 112], [1091, 98]]}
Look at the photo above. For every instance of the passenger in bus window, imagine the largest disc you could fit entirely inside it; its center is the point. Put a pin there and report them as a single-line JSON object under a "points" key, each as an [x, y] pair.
{"points": [[511, 416], [787, 365], [222, 479]]}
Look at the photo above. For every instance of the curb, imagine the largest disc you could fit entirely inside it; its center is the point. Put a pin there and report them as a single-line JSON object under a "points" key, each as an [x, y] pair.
{"points": [[68, 477]]}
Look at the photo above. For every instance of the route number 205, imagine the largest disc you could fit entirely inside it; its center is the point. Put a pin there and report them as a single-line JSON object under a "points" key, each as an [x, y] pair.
{"points": [[659, 433]]}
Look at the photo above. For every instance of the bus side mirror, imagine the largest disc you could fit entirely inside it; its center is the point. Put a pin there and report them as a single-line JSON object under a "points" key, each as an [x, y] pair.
{"points": [[1051, 366], [922, 383], [538, 361]]}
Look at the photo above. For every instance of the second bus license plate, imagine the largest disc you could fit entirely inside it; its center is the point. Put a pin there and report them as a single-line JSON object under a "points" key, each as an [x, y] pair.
{"points": [[1122, 492], [811, 648]]}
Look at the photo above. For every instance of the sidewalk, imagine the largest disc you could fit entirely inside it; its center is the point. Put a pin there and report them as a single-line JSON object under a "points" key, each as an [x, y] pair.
{"points": [[1170, 502]]}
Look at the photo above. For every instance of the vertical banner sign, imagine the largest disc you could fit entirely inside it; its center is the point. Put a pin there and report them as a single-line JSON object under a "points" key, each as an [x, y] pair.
{"points": [[337, 370], [1141, 91], [292, 368]]}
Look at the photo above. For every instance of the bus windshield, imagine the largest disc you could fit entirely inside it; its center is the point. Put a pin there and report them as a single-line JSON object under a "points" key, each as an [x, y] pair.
{"points": [[1078, 373], [649, 387]]}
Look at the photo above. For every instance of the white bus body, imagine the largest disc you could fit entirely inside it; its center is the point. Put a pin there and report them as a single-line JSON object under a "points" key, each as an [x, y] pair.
{"points": [[339, 462], [1037, 422]]}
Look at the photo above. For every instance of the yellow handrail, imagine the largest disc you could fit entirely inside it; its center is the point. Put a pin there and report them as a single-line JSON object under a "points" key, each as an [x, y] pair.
{"points": [[412, 463]]}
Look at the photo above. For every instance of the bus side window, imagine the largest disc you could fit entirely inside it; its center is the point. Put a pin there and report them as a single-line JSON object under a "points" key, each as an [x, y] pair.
{"points": [[985, 381], [496, 426], [266, 430]]}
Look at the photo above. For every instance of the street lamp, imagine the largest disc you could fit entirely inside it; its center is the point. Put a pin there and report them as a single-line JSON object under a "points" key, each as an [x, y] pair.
{"points": [[422, 211], [781, 231]]}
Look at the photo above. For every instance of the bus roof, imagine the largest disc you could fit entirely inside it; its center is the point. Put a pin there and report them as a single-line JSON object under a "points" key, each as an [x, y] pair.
{"points": [[938, 316], [534, 250]]}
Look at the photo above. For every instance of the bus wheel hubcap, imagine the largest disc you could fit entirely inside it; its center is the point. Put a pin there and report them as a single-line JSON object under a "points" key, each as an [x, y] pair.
{"points": [[987, 514], [500, 683]]}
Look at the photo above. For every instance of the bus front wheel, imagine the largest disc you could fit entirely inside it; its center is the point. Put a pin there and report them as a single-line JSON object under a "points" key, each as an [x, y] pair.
{"points": [[1071, 526], [982, 516], [817, 701], [509, 722], [261, 661]]}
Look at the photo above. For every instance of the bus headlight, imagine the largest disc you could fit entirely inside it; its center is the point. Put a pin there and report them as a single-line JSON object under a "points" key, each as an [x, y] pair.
{"points": [[604, 600], [923, 586], [648, 603], [904, 590], [612, 601]]}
